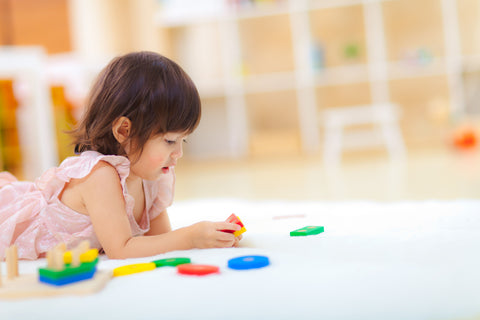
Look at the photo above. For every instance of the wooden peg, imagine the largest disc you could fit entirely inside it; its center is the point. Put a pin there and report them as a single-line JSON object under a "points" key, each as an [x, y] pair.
{"points": [[15, 259], [61, 246], [57, 258], [76, 257], [83, 246], [50, 262], [11, 256]]}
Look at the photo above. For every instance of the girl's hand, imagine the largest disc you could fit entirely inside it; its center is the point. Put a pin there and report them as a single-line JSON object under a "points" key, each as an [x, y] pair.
{"points": [[208, 234], [237, 240]]}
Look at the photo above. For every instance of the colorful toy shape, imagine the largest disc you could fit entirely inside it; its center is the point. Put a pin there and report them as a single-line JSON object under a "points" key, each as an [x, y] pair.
{"points": [[149, 266], [58, 273], [87, 256], [197, 269], [248, 262], [68, 275], [234, 219], [133, 268], [307, 231], [171, 262]]}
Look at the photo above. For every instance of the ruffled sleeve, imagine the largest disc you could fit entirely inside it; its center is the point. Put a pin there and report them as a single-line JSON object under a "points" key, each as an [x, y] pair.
{"points": [[80, 167], [77, 167]]}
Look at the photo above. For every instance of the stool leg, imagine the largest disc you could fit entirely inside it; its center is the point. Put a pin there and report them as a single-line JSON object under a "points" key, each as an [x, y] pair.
{"points": [[333, 146], [393, 140]]}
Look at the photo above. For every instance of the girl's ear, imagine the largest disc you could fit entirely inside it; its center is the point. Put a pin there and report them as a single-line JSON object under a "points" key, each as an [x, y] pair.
{"points": [[121, 129]]}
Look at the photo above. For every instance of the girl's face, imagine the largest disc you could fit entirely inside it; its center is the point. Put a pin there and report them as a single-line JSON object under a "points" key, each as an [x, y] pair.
{"points": [[159, 156]]}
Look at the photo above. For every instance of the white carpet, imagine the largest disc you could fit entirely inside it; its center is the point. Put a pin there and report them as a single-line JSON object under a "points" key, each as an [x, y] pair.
{"points": [[401, 260]]}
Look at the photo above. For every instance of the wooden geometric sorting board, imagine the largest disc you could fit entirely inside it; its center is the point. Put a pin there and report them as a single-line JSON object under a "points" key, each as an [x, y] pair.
{"points": [[28, 286]]}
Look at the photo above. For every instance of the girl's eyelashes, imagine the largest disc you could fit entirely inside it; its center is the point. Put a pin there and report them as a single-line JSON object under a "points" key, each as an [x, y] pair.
{"points": [[174, 141], [170, 141]]}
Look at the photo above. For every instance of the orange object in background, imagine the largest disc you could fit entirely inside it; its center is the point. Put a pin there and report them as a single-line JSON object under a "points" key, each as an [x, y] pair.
{"points": [[64, 121], [465, 138], [10, 151]]}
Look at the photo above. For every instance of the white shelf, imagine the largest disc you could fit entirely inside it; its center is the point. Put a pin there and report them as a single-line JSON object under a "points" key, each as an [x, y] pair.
{"points": [[269, 82], [334, 76], [404, 69], [342, 75], [305, 79]]}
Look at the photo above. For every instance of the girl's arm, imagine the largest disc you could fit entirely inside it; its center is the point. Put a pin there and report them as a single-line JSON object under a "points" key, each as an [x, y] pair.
{"points": [[102, 195], [161, 224]]}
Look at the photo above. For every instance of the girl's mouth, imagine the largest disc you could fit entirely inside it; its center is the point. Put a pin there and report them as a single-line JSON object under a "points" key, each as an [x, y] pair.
{"points": [[165, 170]]}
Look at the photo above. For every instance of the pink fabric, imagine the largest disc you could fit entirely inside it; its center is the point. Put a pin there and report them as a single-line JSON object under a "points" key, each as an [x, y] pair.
{"points": [[33, 218]]}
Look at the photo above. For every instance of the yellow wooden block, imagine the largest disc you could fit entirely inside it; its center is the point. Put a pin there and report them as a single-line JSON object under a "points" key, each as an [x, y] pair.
{"points": [[133, 268], [239, 232], [67, 257], [89, 256]]}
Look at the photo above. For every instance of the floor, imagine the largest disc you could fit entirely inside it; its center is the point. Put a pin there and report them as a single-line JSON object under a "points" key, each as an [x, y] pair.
{"points": [[426, 174]]}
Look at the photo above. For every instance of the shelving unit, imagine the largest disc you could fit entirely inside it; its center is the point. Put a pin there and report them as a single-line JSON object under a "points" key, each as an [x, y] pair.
{"points": [[275, 66]]}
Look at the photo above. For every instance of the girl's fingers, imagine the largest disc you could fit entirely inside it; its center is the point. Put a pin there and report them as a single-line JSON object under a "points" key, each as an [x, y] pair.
{"points": [[225, 236], [225, 244], [227, 226]]}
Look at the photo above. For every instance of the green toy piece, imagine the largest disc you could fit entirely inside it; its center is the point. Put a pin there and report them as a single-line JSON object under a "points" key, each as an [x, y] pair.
{"points": [[307, 231], [68, 271], [171, 262]]}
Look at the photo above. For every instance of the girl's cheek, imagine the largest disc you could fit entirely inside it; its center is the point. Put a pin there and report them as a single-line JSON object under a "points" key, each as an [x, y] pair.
{"points": [[156, 159]]}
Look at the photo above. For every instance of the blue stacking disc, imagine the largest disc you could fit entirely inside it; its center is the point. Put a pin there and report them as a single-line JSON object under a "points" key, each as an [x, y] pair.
{"points": [[248, 262]]}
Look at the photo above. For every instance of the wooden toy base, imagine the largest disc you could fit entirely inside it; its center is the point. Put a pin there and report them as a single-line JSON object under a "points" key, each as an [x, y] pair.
{"points": [[28, 286]]}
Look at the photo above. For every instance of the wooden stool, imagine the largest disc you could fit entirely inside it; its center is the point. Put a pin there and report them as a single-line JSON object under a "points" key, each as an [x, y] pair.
{"points": [[385, 132]]}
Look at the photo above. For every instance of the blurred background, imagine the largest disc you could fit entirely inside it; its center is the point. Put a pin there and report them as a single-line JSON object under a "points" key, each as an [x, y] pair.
{"points": [[302, 99]]}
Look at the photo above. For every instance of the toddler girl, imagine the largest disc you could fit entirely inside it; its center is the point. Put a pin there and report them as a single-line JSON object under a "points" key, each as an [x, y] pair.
{"points": [[115, 193]]}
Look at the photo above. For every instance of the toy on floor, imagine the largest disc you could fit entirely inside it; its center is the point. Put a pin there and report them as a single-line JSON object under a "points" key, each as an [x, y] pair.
{"points": [[16, 286], [133, 268], [11, 258], [171, 262], [465, 138], [64, 268], [307, 231], [248, 262], [197, 269], [234, 219], [148, 266]]}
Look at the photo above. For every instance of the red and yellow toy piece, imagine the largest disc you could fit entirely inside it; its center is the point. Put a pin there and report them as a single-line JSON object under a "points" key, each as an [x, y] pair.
{"points": [[234, 219]]}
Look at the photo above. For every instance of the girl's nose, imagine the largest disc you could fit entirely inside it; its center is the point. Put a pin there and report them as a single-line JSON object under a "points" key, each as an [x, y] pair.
{"points": [[178, 152]]}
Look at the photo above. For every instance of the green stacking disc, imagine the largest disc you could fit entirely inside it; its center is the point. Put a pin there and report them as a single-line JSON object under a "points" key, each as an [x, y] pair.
{"points": [[171, 262], [307, 231], [68, 270]]}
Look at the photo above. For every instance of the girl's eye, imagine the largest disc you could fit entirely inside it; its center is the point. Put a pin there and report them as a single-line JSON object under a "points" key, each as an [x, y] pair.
{"points": [[171, 142]]}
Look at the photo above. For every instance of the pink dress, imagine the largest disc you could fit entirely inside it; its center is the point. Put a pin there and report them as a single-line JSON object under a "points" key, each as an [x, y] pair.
{"points": [[33, 218]]}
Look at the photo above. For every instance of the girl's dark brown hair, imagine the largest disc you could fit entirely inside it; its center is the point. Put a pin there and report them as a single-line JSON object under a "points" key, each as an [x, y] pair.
{"points": [[149, 89]]}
